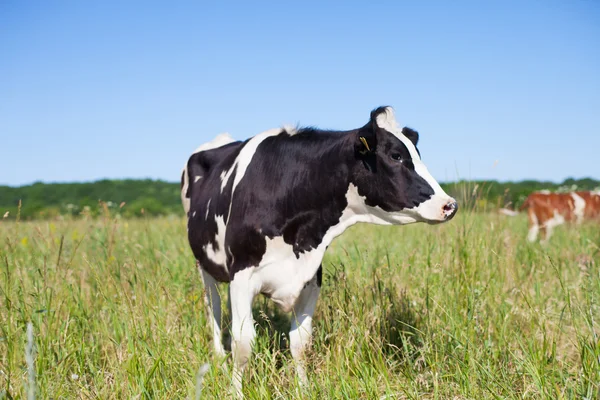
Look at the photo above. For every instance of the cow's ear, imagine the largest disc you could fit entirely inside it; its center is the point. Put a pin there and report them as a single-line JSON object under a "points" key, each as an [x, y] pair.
{"points": [[366, 140], [411, 134]]}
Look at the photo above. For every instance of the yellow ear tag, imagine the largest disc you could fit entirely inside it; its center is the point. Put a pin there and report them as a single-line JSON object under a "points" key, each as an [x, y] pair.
{"points": [[364, 141]]}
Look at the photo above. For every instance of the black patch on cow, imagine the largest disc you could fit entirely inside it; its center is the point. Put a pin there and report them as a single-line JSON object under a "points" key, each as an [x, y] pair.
{"points": [[320, 275]]}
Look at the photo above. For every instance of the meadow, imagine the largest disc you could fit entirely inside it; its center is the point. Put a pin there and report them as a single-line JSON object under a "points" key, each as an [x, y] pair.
{"points": [[464, 310]]}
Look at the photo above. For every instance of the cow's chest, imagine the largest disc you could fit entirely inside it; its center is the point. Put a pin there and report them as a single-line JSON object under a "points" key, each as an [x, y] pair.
{"points": [[282, 275]]}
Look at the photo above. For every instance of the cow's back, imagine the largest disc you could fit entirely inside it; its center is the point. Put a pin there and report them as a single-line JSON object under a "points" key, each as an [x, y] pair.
{"points": [[592, 204]]}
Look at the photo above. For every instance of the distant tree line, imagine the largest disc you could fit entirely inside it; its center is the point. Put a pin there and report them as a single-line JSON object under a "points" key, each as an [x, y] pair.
{"points": [[136, 198], [127, 197]]}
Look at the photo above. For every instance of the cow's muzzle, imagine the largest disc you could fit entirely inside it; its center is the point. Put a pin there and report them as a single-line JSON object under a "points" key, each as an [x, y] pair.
{"points": [[449, 210]]}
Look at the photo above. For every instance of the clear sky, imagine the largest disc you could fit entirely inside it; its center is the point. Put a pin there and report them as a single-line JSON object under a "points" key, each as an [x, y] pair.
{"points": [[503, 90]]}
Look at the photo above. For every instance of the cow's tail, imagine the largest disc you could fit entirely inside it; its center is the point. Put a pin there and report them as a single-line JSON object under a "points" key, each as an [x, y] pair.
{"points": [[513, 213], [185, 183], [508, 212], [194, 169]]}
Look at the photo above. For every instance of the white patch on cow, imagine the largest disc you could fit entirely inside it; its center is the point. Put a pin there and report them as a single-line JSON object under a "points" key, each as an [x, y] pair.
{"points": [[207, 209], [550, 224], [431, 209], [242, 290], [218, 255], [387, 120], [301, 329], [543, 191], [290, 129], [535, 228], [280, 273], [558, 219], [244, 157], [579, 207], [194, 214], [218, 141]]}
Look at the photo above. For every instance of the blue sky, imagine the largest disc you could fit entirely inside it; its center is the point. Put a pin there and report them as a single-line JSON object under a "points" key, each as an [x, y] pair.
{"points": [[505, 90]]}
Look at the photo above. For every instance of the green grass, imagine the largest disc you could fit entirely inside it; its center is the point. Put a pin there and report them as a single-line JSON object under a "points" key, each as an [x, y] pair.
{"points": [[465, 310]]}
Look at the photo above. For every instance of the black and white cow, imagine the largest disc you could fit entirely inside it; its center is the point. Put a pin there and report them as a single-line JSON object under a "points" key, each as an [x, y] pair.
{"points": [[262, 212]]}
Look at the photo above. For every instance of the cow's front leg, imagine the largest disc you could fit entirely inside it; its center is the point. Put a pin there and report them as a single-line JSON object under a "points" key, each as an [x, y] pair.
{"points": [[213, 305], [241, 293], [301, 331]]}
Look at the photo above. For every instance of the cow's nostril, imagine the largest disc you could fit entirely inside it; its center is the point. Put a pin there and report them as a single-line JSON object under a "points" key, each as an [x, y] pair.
{"points": [[450, 208]]}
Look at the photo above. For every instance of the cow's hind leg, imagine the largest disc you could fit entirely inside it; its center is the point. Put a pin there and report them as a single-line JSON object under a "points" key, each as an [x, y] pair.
{"points": [[534, 227], [213, 304], [545, 233], [301, 330], [242, 293]]}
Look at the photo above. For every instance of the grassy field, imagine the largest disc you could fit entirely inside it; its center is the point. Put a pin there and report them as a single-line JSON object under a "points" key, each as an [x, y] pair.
{"points": [[466, 310]]}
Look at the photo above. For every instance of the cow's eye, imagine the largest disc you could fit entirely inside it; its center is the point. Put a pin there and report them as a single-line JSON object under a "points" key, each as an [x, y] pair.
{"points": [[397, 157]]}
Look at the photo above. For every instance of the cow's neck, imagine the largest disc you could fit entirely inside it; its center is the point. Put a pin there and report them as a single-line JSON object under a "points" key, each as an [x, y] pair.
{"points": [[344, 206]]}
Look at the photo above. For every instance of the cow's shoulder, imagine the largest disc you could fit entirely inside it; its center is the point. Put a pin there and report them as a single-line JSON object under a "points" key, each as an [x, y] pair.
{"points": [[282, 192]]}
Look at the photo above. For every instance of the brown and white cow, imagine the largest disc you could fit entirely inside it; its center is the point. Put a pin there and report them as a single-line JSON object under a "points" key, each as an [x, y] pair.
{"points": [[547, 210]]}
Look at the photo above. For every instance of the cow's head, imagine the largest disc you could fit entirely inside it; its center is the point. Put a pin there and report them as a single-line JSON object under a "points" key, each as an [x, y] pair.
{"points": [[390, 177]]}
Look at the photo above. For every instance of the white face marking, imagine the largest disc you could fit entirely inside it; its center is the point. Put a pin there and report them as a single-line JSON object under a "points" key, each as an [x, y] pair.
{"points": [[431, 209], [579, 207], [428, 211], [387, 121]]}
